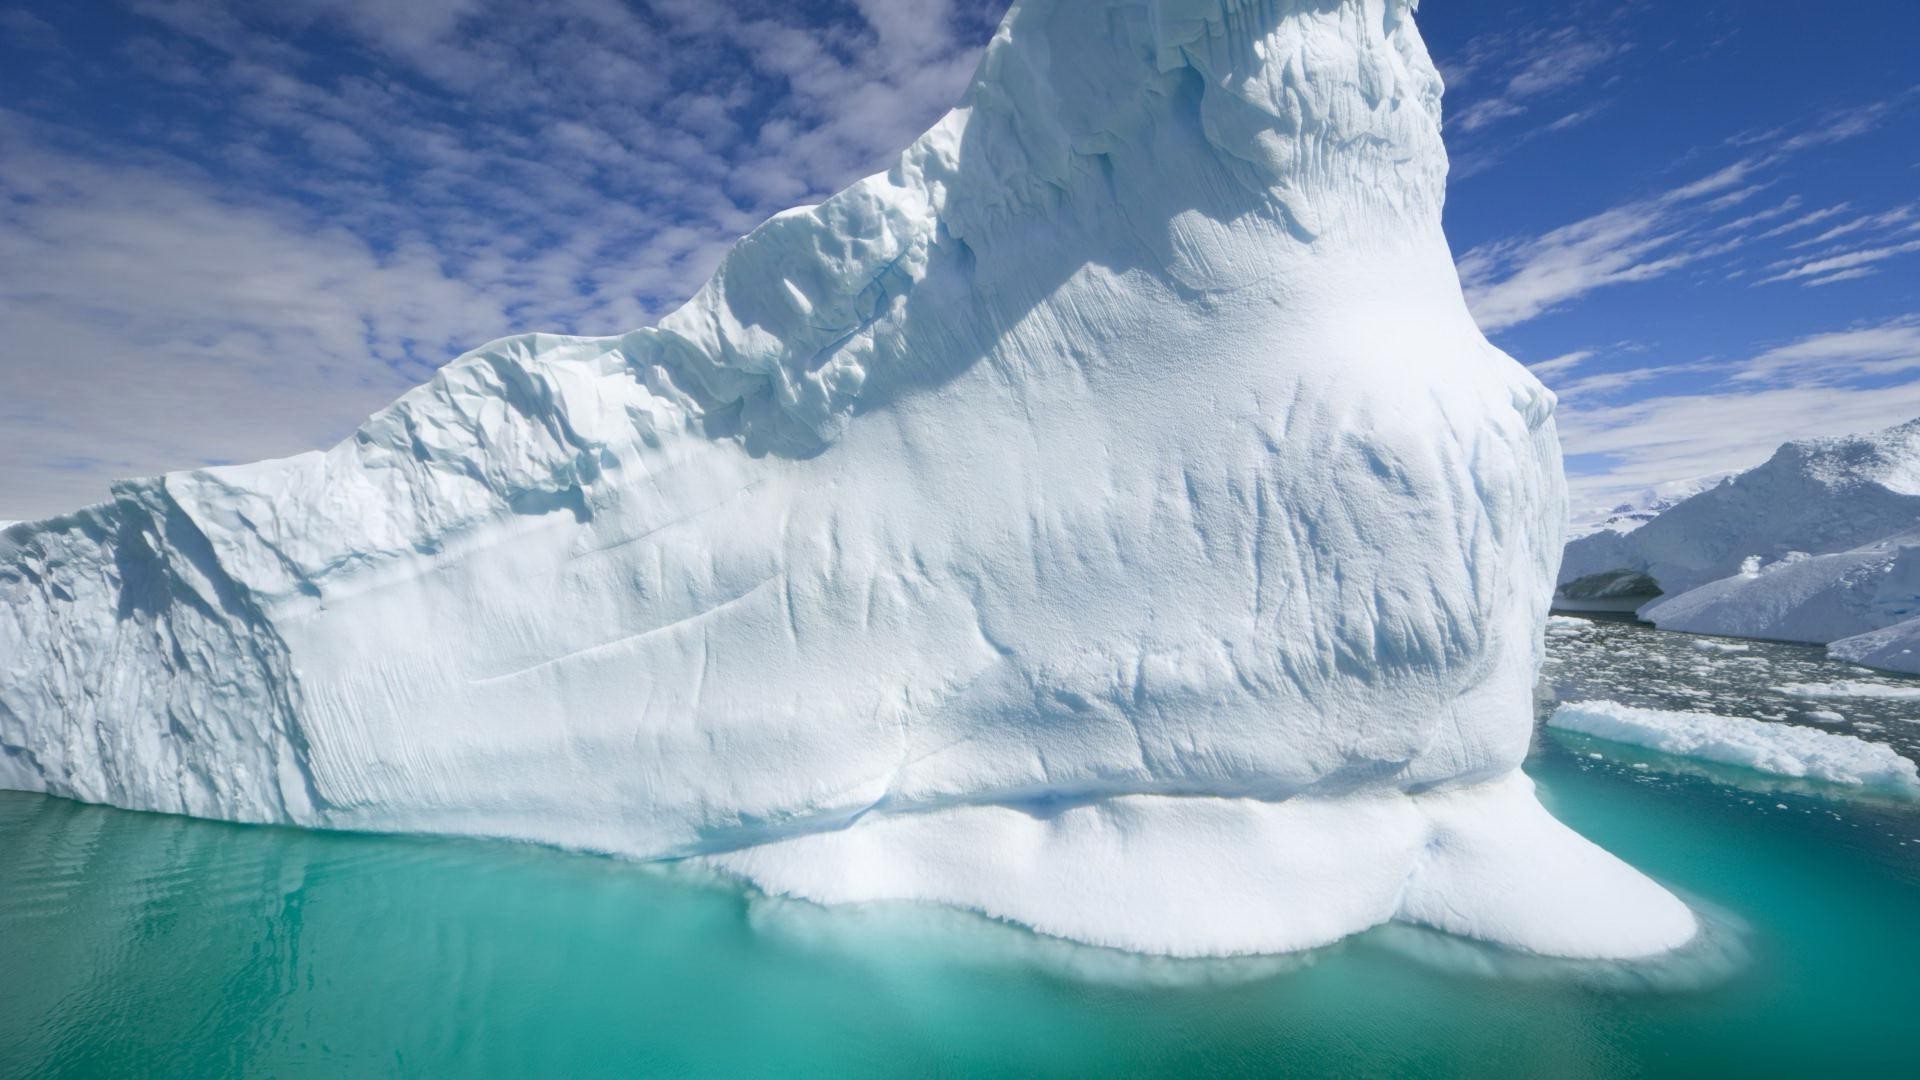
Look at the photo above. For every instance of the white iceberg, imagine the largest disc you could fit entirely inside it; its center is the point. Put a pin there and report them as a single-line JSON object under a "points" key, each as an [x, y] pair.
{"points": [[1784, 750], [1108, 518], [1820, 544]]}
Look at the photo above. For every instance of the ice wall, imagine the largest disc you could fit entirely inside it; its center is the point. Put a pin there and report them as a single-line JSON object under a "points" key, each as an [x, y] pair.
{"points": [[1110, 501]]}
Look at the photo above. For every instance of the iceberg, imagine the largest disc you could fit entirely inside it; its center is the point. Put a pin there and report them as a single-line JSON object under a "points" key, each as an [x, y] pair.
{"points": [[1783, 750], [1819, 544], [1890, 648], [1108, 519]]}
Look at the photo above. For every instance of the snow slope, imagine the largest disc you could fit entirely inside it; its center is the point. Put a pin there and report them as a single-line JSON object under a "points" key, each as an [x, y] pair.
{"points": [[1110, 502], [1819, 544], [1775, 749], [1815, 598]]}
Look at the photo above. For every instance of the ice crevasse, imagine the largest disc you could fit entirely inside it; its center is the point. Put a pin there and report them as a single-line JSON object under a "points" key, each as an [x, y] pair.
{"points": [[1107, 519]]}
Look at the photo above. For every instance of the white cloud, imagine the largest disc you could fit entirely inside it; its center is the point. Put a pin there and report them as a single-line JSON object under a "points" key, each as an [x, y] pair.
{"points": [[1888, 219], [1856, 379], [1844, 124], [1576, 118], [1780, 209], [1603, 383], [1509, 282], [1829, 264], [1559, 365], [1529, 64], [1499, 84], [1806, 220], [325, 199], [1659, 439], [1843, 275], [152, 324], [1888, 348]]}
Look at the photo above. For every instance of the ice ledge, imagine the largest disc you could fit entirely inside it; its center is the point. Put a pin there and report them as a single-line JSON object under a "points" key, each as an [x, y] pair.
{"points": [[1209, 877]]}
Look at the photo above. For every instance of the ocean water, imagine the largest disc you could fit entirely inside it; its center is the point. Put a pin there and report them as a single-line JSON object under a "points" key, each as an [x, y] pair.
{"points": [[145, 945]]}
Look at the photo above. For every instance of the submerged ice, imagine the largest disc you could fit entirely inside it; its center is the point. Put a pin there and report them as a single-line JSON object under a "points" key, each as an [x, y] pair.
{"points": [[1108, 518]]}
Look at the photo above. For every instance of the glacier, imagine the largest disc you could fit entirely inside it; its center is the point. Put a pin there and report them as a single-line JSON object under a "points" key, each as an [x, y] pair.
{"points": [[1819, 544], [1108, 519]]}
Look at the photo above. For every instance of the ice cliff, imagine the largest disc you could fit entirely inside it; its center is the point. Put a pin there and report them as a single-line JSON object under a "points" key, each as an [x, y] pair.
{"points": [[1108, 519], [1821, 544]]}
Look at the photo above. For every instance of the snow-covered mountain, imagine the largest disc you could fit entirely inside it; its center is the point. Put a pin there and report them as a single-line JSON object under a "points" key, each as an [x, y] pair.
{"points": [[1109, 518], [1638, 508], [1819, 544]]}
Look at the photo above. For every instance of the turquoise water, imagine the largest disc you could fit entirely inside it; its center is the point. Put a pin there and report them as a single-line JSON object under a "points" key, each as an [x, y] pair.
{"points": [[135, 944]]}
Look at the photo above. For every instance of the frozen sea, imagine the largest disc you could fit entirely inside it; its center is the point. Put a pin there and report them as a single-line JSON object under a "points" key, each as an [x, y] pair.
{"points": [[140, 944]]}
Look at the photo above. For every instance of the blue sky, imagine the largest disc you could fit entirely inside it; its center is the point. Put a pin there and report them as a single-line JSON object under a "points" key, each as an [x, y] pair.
{"points": [[231, 228]]}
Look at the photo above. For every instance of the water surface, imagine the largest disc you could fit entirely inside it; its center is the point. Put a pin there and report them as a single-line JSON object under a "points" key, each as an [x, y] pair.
{"points": [[138, 944]]}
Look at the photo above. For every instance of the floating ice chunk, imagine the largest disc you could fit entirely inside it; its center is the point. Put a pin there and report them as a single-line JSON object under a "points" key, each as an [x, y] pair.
{"points": [[1776, 749], [1708, 645], [1851, 688]]}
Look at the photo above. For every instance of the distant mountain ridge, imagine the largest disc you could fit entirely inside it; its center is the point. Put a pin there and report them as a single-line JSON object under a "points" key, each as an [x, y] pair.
{"points": [[1819, 544], [1641, 507]]}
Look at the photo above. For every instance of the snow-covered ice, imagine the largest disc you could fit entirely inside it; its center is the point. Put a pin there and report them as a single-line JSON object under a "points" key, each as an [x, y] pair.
{"points": [[1776, 749], [1852, 688], [1892, 648], [1819, 544], [1109, 518]]}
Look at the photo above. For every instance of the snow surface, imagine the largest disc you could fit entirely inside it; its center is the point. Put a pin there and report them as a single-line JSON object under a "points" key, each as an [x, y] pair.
{"points": [[1776, 749], [1111, 502], [1820, 544]]}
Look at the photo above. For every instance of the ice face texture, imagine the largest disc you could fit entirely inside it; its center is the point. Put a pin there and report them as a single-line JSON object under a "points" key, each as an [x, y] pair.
{"points": [[1108, 507], [1821, 544]]}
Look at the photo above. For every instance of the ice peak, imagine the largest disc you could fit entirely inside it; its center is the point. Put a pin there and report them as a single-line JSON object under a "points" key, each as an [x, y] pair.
{"points": [[1310, 127]]}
